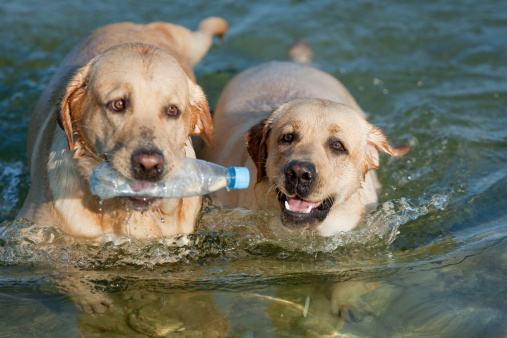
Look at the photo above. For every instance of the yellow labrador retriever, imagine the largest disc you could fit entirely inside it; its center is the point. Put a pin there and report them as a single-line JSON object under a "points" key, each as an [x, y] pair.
{"points": [[306, 142], [125, 94]]}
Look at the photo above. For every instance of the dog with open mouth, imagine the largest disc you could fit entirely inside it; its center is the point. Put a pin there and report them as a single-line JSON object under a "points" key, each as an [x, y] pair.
{"points": [[311, 153], [126, 94]]}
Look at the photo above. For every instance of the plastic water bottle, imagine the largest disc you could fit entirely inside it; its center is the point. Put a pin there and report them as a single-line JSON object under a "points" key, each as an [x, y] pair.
{"points": [[193, 178]]}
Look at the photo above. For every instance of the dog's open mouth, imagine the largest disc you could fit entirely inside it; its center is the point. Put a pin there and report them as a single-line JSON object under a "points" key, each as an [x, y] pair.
{"points": [[299, 213], [140, 202], [107, 182]]}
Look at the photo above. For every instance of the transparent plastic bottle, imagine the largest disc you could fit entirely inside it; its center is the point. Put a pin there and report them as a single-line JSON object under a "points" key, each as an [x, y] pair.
{"points": [[193, 178]]}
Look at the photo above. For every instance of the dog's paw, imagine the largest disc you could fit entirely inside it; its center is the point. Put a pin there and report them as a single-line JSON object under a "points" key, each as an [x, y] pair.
{"points": [[92, 304], [346, 302], [354, 312]]}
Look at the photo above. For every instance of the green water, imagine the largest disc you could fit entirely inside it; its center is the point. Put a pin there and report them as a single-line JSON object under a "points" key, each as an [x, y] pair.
{"points": [[432, 74]]}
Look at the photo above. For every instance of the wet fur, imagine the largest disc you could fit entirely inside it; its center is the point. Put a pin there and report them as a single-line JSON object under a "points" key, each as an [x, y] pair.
{"points": [[261, 104], [72, 130]]}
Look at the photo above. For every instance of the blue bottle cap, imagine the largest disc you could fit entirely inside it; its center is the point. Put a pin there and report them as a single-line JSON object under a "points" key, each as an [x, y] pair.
{"points": [[240, 178]]}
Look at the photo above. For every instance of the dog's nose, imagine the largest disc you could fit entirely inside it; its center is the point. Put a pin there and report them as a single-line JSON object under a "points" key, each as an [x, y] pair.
{"points": [[300, 176], [147, 165]]}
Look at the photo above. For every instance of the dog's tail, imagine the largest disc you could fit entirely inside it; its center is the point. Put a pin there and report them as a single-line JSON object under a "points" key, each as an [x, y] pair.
{"points": [[300, 52], [213, 26], [193, 44], [202, 38]]}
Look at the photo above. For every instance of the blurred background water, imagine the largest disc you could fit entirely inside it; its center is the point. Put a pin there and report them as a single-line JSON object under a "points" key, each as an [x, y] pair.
{"points": [[431, 260]]}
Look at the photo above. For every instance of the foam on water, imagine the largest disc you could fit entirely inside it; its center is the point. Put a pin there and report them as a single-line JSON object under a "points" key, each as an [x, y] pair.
{"points": [[221, 232]]}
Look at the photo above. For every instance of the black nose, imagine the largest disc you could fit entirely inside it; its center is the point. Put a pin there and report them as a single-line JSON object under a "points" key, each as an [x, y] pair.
{"points": [[147, 165], [300, 177]]}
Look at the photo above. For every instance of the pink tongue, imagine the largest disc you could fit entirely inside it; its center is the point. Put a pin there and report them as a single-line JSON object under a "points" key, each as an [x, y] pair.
{"points": [[139, 186], [298, 205]]}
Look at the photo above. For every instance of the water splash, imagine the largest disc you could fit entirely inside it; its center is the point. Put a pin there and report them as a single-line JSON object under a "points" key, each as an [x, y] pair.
{"points": [[222, 233], [395, 213], [101, 204]]}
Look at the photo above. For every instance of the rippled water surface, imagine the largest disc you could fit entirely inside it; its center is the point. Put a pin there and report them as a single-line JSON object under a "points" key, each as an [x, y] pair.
{"points": [[431, 260]]}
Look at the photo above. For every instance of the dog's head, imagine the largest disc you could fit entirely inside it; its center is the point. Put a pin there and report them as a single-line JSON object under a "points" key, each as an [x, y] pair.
{"points": [[133, 106], [316, 153]]}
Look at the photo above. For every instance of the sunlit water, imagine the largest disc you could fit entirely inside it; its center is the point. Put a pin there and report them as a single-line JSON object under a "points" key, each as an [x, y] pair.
{"points": [[429, 261]]}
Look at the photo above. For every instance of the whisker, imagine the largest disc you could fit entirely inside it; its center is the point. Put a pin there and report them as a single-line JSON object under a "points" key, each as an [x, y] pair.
{"points": [[269, 190]]}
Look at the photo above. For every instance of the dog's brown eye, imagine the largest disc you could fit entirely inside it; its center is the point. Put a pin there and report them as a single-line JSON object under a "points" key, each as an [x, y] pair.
{"points": [[287, 138], [173, 111], [338, 146], [118, 105]]}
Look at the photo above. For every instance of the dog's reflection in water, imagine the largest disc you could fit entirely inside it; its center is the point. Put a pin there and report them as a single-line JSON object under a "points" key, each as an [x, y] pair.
{"points": [[135, 313], [317, 310]]}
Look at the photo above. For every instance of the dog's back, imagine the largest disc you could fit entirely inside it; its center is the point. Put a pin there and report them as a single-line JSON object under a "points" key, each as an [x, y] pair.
{"points": [[265, 87]]}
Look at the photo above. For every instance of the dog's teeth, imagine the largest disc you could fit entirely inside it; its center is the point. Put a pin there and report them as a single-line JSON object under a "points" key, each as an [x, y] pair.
{"points": [[308, 210], [287, 206]]}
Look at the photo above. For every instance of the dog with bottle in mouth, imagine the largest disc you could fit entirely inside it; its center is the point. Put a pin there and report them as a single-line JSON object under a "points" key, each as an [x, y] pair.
{"points": [[125, 95]]}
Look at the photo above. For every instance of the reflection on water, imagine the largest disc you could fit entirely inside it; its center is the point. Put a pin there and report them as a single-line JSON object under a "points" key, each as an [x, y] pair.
{"points": [[244, 274], [36, 315], [155, 315]]}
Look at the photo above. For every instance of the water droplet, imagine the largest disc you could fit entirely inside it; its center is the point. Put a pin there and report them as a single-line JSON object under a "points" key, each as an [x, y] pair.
{"points": [[101, 203]]}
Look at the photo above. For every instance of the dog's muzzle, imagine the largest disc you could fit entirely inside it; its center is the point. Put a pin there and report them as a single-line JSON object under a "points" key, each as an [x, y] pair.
{"points": [[298, 212]]}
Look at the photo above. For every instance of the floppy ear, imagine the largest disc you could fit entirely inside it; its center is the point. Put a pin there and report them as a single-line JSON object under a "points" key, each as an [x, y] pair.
{"points": [[203, 126], [377, 142], [256, 139], [73, 94]]}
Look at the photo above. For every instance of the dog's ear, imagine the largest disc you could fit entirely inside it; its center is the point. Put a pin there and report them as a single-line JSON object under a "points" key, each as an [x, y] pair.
{"points": [[256, 139], [203, 125], [377, 142], [73, 94]]}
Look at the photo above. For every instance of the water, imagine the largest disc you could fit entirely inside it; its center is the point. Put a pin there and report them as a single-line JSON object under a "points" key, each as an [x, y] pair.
{"points": [[429, 261]]}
